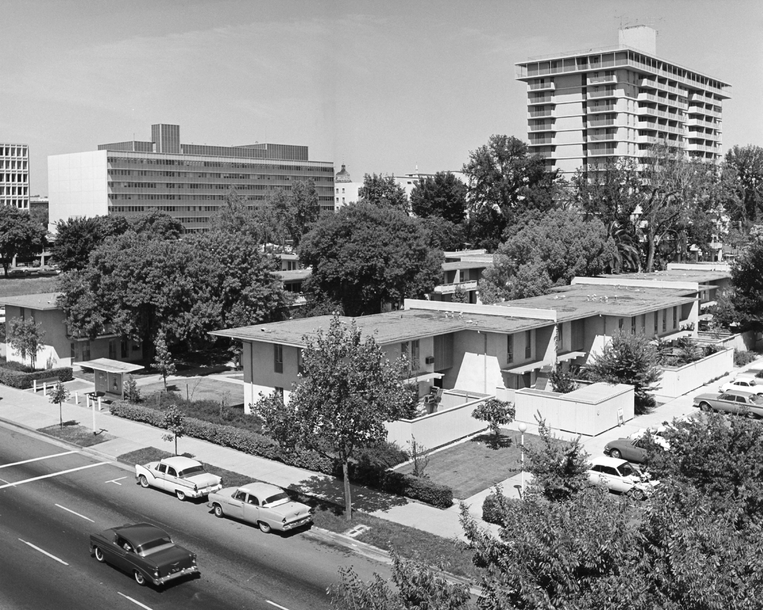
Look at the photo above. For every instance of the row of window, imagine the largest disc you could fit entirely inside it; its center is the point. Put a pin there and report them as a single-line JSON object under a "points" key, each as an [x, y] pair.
{"points": [[14, 151], [193, 163], [13, 164]]}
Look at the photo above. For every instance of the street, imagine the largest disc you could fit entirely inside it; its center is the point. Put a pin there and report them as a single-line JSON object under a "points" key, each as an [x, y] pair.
{"points": [[52, 498]]}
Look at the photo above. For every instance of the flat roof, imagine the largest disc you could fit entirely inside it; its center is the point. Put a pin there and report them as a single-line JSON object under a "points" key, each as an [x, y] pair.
{"points": [[586, 300], [293, 274], [387, 328], [466, 263], [110, 366], [701, 276], [40, 302]]}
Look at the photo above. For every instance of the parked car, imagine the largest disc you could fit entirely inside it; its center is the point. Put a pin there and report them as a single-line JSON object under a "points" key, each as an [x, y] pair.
{"points": [[620, 476], [751, 374], [744, 384], [740, 403], [262, 504], [184, 477], [633, 447], [145, 551]]}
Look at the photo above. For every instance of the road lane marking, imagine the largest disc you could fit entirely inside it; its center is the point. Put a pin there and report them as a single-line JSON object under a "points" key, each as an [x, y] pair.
{"points": [[37, 459], [73, 513], [276, 605], [115, 481], [134, 601], [54, 474], [37, 548]]}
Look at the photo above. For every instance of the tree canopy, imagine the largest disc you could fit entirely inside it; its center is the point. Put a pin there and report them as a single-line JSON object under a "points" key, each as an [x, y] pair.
{"points": [[441, 195], [548, 250], [747, 286], [745, 197], [368, 258], [381, 190], [20, 236]]}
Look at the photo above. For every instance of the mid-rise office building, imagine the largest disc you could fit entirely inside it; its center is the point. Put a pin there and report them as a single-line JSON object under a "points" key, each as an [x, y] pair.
{"points": [[14, 175], [587, 106], [187, 181]]}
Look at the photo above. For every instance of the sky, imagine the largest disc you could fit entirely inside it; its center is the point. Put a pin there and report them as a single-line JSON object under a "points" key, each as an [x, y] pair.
{"points": [[383, 86]]}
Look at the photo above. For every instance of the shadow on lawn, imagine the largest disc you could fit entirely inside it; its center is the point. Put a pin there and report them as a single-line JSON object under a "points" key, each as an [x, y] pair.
{"points": [[363, 498], [494, 442]]}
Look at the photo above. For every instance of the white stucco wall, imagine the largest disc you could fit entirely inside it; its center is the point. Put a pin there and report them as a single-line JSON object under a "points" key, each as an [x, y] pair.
{"points": [[77, 186]]}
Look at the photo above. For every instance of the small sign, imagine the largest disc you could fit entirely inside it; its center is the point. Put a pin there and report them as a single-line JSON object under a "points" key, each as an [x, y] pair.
{"points": [[620, 417]]}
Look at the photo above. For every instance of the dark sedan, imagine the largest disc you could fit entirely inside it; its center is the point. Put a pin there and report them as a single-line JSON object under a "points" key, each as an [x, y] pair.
{"points": [[145, 551], [631, 449], [739, 403]]}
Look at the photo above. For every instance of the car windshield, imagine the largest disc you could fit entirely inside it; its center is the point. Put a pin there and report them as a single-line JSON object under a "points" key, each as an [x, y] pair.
{"points": [[758, 400], [276, 499], [192, 470], [153, 546], [627, 470]]}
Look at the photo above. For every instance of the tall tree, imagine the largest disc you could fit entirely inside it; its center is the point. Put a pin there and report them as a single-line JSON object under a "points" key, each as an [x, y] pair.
{"points": [[381, 190], [745, 197], [747, 286], [158, 224], [368, 258], [25, 336], [58, 396], [548, 251], [163, 361], [20, 236], [238, 217], [349, 389], [441, 195], [504, 182], [295, 211]]}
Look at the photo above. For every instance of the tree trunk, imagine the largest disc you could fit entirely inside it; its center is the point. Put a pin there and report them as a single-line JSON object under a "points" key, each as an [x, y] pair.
{"points": [[347, 492], [650, 248]]}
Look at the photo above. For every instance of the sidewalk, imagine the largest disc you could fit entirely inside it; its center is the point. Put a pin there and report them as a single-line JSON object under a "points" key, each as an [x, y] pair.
{"points": [[34, 411]]}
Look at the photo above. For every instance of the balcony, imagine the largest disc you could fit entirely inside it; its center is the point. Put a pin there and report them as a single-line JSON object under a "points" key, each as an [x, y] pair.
{"points": [[541, 99], [600, 94], [607, 78], [648, 139], [603, 122], [549, 86], [601, 108], [540, 112], [542, 126], [600, 152], [541, 140], [600, 137]]}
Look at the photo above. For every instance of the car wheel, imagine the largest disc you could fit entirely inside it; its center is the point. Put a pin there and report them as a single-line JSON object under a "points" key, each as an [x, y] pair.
{"points": [[615, 454], [139, 578], [180, 495], [143, 481], [751, 415], [264, 527], [218, 511], [98, 553], [705, 407], [638, 494]]}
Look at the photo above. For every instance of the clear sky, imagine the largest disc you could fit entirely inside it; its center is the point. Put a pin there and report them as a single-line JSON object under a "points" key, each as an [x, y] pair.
{"points": [[382, 86]]}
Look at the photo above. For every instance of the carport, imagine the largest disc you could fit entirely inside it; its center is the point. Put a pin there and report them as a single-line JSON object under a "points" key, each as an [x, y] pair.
{"points": [[109, 375]]}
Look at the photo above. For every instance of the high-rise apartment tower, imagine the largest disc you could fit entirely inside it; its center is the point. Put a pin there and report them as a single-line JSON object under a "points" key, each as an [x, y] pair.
{"points": [[14, 175], [587, 106]]}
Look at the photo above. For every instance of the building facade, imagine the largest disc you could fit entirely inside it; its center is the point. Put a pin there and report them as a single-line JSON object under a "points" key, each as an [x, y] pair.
{"points": [[190, 182], [584, 107], [14, 175]]}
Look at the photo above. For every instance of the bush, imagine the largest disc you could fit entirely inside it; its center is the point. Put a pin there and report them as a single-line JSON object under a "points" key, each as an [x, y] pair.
{"points": [[742, 358], [20, 376], [494, 506], [427, 491]]}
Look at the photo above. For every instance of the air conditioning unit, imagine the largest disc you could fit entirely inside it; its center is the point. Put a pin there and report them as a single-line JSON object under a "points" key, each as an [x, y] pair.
{"points": [[429, 360]]}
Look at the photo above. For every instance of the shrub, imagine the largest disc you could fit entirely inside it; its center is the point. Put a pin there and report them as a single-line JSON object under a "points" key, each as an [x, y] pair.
{"points": [[14, 375], [743, 357], [494, 506], [427, 491]]}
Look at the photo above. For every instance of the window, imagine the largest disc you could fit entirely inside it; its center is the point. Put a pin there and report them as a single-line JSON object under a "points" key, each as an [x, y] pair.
{"points": [[633, 325], [300, 363], [415, 353], [528, 344], [656, 321], [675, 317], [509, 349], [664, 321], [112, 349], [124, 348], [278, 358], [86, 350], [620, 324]]}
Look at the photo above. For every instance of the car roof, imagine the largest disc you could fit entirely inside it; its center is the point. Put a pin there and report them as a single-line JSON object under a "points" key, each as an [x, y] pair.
{"points": [[608, 461], [260, 489], [180, 462], [140, 533]]}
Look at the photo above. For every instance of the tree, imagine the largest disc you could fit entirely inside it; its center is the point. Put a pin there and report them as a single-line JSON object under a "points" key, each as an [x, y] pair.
{"points": [[174, 424], [442, 195], [383, 191], [443, 234], [745, 194], [163, 362], [58, 396], [496, 413], [369, 258], [559, 469], [548, 251], [20, 236], [349, 389], [237, 217], [562, 381], [295, 211], [25, 336], [131, 389], [158, 224], [416, 587], [505, 181], [747, 286], [632, 359]]}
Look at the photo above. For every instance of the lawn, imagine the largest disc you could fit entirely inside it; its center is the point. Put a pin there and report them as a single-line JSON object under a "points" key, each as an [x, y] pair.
{"points": [[200, 388], [16, 286], [476, 464], [77, 434]]}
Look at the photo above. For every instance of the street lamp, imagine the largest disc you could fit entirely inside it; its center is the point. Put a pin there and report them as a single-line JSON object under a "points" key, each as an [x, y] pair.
{"points": [[522, 427]]}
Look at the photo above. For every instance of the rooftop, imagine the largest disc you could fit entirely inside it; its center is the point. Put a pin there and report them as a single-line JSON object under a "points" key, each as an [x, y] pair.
{"points": [[40, 302]]}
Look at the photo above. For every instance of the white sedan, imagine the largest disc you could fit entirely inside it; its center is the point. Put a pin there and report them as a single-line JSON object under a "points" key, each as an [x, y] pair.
{"points": [[184, 477], [747, 385], [261, 504], [620, 476]]}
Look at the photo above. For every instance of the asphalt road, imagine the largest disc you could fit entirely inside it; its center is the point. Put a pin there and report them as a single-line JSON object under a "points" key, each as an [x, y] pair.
{"points": [[52, 498]]}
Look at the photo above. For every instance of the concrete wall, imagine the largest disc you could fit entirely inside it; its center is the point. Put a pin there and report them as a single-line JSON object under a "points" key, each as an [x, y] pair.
{"points": [[574, 413], [678, 381], [448, 424], [77, 186]]}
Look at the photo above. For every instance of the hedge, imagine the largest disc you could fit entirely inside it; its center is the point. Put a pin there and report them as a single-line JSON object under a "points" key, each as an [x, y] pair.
{"points": [[252, 443], [493, 506], [23, 380]]}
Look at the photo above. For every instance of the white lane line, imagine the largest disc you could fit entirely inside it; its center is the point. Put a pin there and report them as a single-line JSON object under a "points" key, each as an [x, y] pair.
{"points": [[54, 474], [37, 459], [115, 481], [73, 513], [37, 548], [276, 605], [134, 601]]}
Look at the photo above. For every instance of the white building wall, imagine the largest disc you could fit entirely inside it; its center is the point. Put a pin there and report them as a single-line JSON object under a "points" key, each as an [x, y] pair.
{"points": [[77, 186]]}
